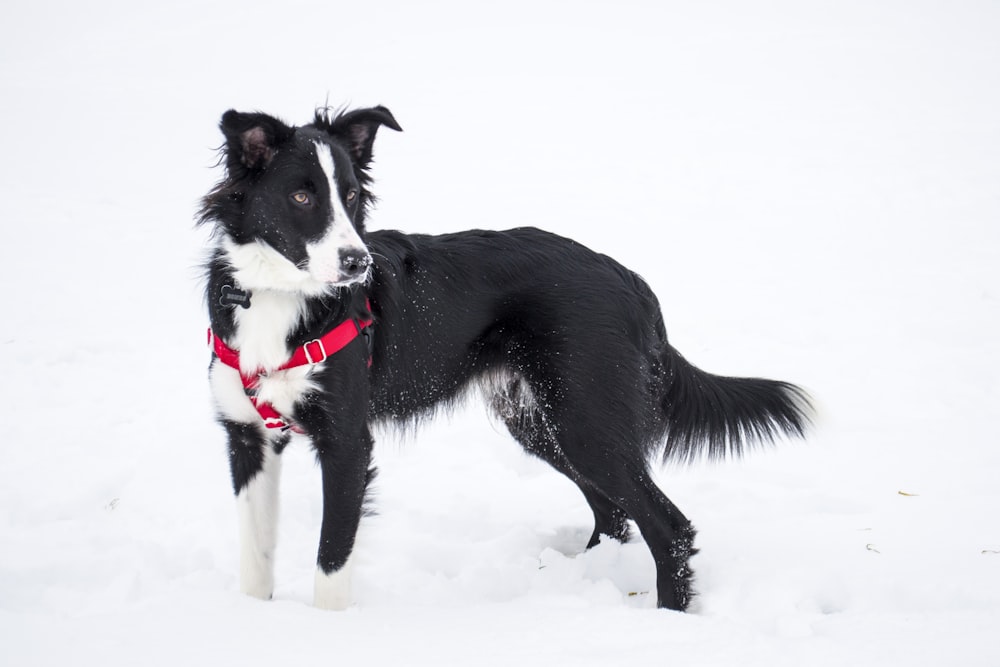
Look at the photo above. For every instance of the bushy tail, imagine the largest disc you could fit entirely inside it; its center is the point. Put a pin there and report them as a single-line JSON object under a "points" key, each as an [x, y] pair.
{"points": [[713, 416]]}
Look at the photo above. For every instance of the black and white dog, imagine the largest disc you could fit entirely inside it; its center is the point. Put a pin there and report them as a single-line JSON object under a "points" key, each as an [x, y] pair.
{"points": [[322, 328]]}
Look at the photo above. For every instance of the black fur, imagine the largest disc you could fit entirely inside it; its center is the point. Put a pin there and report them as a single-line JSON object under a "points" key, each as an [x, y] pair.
{"points": [[570, 346]]}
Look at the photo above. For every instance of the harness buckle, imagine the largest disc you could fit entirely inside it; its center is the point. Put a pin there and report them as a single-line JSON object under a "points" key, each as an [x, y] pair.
{"points": [[320, 351]]}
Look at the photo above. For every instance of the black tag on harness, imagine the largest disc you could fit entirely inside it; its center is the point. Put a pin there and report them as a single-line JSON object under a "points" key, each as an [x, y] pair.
{"points": [[369, 335], [232, 296]]}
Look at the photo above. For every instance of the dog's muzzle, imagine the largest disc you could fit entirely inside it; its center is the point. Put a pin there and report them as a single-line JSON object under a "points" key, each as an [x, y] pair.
{"points": [[354, 265]]}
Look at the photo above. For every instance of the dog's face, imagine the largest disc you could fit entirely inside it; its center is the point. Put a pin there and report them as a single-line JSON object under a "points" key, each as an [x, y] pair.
{"points": [[293, 204]]}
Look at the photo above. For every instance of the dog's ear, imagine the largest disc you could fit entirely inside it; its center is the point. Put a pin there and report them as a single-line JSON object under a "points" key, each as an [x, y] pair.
{"points": [[252, 139], [356, 129]]}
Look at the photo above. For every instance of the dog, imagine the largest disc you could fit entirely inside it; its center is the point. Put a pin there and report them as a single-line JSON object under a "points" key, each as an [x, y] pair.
{"points": [[321, 327]]}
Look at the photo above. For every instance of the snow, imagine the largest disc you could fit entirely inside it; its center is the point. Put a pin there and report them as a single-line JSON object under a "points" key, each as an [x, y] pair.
{"points": [[811, 188]]}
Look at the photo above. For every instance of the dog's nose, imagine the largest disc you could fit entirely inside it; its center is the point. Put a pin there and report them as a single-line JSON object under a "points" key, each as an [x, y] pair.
{"points": [[354, 263]]}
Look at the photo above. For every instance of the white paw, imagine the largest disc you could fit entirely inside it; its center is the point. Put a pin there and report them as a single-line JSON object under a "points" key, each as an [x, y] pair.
{"points": [[256, 577], [259, 591], [333, 591]]}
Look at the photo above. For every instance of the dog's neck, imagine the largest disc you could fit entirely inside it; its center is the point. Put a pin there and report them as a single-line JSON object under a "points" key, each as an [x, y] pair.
{"points": [[269, 323]]}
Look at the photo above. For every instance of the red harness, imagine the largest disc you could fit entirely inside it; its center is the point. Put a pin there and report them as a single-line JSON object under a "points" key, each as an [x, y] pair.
{"points": [[314, 352]]}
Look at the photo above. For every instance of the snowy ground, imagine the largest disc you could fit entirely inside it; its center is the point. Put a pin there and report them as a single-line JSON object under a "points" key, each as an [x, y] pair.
{"points": [[812, 188]]}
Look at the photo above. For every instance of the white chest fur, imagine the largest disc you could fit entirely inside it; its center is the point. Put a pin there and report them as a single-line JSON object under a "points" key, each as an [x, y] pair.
{"points": [[261, 329], [261, 332]]}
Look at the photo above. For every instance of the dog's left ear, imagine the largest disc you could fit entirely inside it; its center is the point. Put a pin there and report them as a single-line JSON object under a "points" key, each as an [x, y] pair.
{"points": [[252, 139], [356, 129]]}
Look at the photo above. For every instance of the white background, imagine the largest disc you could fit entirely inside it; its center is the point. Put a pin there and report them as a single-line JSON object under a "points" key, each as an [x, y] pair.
{"points": [[812, 189]]}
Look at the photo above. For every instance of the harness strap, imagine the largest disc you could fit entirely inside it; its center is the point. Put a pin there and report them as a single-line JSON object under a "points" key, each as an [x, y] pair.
{"points": [[311, 353], [318, 349]]}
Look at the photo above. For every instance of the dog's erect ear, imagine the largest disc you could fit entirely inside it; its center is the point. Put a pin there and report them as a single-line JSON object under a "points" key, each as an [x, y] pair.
{"points": [[252, 138], [357, 130]]}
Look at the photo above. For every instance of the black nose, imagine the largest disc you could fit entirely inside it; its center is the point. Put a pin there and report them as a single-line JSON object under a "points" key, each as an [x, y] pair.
{"points": [[353, 263]]}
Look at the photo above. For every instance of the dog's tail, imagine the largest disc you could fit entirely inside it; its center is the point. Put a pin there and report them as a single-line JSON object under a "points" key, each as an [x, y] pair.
{"points": [[713, 416]]}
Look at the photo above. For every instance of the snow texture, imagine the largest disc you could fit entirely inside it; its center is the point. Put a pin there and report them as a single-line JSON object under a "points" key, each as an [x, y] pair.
{"points": [[812, 189]]}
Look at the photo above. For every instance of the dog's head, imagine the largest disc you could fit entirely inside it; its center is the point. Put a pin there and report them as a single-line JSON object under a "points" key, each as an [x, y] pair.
{"points": [[291, 208]]}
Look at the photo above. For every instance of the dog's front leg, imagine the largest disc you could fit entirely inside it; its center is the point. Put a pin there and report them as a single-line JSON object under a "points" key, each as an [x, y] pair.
{"points": [[255, 464], [345, 469]]}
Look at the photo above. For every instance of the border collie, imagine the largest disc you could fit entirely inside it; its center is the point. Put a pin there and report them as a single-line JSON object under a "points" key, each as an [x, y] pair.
{"points": [[322, 328]]}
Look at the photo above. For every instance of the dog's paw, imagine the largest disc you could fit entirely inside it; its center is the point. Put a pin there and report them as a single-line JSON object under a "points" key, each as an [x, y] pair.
{"points": [[256, 575], [333, 591], [258, 589]]}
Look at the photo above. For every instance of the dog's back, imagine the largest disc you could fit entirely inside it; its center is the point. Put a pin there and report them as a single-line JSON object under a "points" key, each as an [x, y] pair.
{"points": [[576, 325], [454, 308]]}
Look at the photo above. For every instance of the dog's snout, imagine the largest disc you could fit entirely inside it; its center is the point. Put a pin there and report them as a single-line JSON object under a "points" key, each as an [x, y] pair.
{"points": [[354, 263]]}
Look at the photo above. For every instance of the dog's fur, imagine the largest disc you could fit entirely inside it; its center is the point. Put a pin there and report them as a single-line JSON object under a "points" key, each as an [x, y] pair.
{"points": [[569, 345]]}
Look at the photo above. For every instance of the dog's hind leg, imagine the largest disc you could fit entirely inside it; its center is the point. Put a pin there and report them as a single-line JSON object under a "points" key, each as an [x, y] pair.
{"points": [[617, 474], [609, 519], [592, 447], [255, 464], [527, 424]]}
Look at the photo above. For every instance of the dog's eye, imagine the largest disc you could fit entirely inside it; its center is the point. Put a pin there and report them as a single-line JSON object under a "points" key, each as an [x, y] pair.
{"points": [[351, 196], [301, 198]]}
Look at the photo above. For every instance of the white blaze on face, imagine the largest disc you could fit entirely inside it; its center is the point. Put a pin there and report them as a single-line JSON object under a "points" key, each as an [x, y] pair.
{"points": [[326, 255]]}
